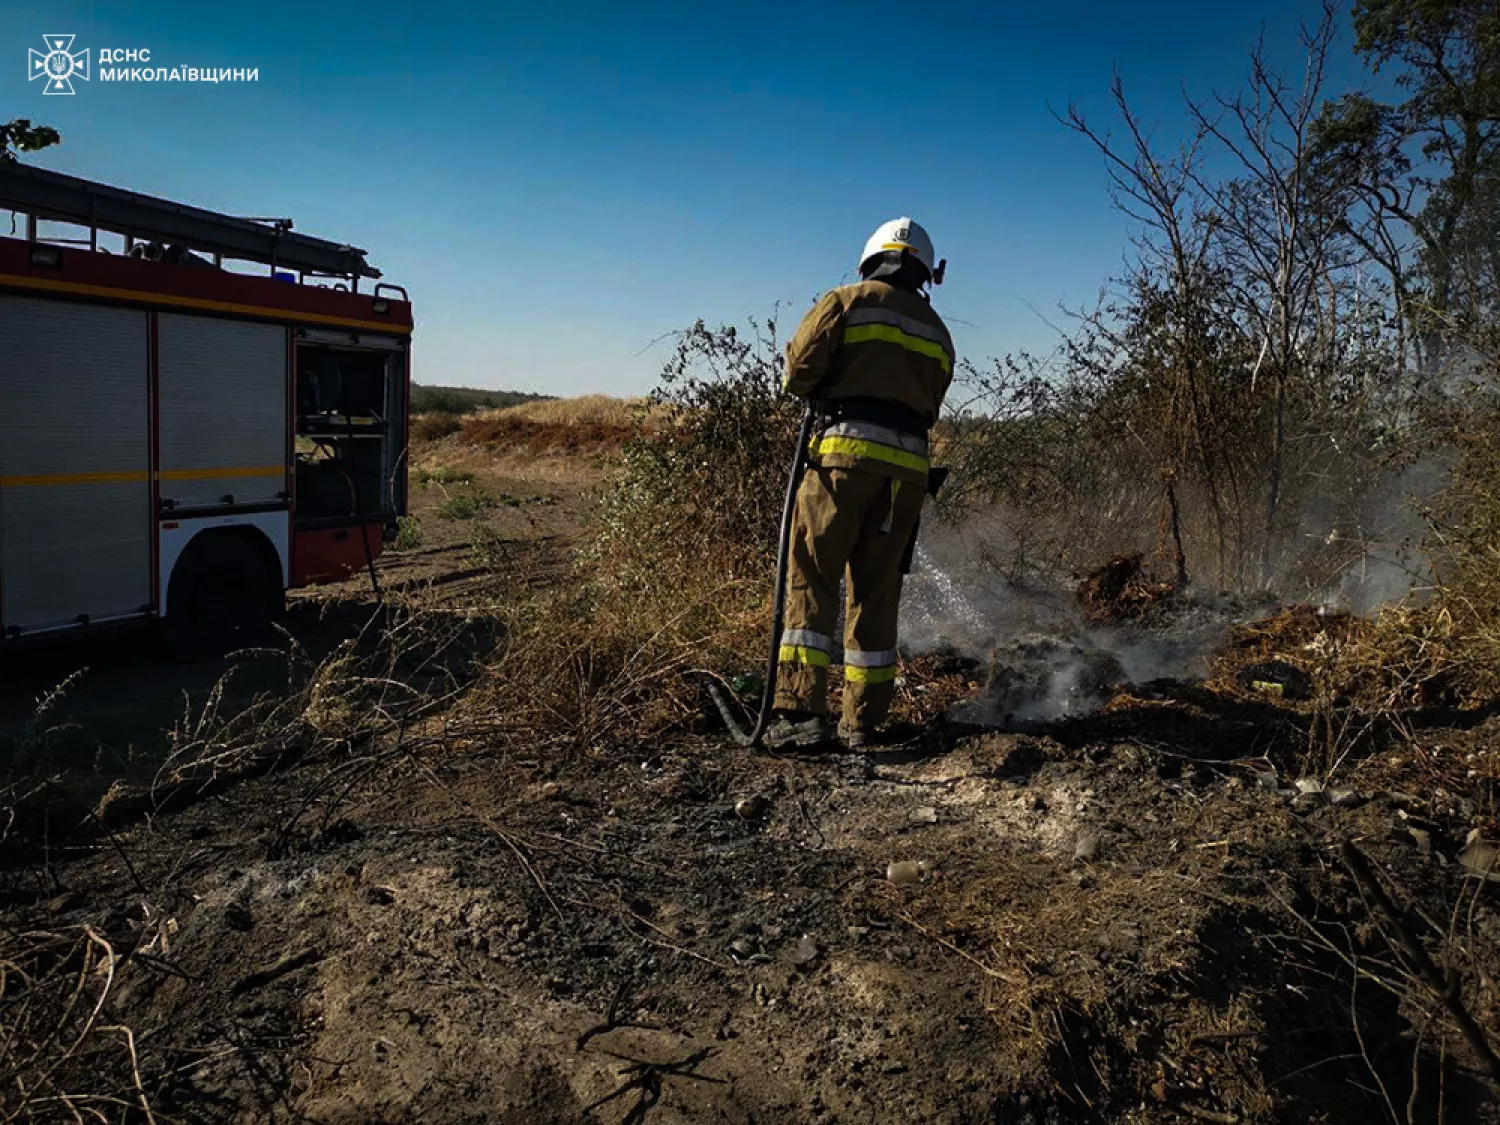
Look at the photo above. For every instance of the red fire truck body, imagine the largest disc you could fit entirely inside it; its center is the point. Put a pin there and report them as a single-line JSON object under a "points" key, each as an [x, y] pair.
{"points": [[180, 440]]}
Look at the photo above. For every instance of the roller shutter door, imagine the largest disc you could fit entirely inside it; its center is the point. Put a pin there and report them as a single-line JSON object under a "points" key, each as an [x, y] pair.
{"points": [[223, 401], [75, 518]]}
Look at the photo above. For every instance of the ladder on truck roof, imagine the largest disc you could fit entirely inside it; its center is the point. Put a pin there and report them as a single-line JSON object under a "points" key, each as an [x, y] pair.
{"points": [[40, 194]]}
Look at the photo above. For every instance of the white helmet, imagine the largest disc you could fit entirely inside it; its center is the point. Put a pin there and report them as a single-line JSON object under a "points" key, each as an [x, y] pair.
{"points": [[902, 234]]}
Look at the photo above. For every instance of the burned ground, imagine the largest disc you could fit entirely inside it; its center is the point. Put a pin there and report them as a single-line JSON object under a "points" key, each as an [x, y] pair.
{"points": [[1108, 931], [401, 911]]}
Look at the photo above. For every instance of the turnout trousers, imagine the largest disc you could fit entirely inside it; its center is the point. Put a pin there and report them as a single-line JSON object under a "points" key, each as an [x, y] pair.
{"points": [[848, 523]]}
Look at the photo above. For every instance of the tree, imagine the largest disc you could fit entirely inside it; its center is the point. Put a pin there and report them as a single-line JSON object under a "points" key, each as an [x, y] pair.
{"points": [[1244, 344], [1432, 160], [1278, 238], [21, 135]]}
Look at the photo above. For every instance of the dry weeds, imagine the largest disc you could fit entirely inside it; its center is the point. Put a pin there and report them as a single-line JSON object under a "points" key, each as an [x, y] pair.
{"points": [[584, 410], [62, 1056]]}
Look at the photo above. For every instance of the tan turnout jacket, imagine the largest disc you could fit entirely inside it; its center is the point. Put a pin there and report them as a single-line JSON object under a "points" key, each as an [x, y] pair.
{"points": [[873, 340]]}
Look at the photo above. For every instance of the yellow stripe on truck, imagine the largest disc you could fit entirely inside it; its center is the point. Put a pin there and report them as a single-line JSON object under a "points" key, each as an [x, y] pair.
{"points": [[132, 476], [126, 477], [215, 474], [864, 333]]}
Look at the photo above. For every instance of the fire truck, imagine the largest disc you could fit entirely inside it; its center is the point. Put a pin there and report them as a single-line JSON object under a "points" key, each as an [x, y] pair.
{"points": [[197, 412]]}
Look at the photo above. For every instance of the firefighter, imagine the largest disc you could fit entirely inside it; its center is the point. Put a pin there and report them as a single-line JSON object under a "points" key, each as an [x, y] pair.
{"points": [[878, 360]]}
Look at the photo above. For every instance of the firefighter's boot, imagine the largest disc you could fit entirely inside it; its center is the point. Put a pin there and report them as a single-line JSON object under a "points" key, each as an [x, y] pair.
{"points": [[797, 728], [856, 738]]}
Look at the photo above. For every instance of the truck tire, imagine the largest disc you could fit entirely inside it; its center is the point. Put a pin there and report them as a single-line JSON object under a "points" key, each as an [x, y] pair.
{"points": [[221, 597]]}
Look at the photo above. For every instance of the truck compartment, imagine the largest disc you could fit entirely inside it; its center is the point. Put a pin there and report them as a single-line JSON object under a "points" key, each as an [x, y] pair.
{"points": [[350, 433]]}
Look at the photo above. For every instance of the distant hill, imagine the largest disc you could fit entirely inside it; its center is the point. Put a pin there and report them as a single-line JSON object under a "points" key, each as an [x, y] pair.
{"points": [[465, 400]]}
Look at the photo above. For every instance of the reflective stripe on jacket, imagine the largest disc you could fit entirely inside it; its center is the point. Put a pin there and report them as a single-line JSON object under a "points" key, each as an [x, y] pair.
{"points": [[873, 340], [847, 444]]}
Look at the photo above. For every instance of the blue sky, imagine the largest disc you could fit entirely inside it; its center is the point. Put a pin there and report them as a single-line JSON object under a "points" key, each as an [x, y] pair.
{"points": [[559, 184]]}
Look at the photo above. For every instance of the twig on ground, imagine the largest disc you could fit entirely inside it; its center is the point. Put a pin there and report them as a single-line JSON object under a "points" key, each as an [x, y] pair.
{"points": [[647, 1077], [1364, 875], [612, 1019], [988, 970], [500, 834], [286, 965], [686, 952]]}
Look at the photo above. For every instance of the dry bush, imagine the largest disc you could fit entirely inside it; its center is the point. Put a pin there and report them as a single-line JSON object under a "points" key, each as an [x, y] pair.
{"points": [[1362, 686], [434, 426], [693, 518], [32, 756], [1227, 398], [583, 669], [1418, 655], [1464, 516], [1101, 452], [1121, 590], [675, 574], [404, 665], [1408, 655], [1440, 646]]}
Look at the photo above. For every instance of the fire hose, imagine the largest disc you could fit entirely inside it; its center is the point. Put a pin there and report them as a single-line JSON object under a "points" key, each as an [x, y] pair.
{"points": [[773, 659]]}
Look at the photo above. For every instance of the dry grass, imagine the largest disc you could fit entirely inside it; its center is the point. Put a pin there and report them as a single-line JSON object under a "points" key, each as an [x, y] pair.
{"points": [[591, 426], [374, 697], [585, 410], [586, 430], [62, 1057], [435, 426], [582, 668], [518, 463], [557, 439], [1407, 656], [393, 691]]}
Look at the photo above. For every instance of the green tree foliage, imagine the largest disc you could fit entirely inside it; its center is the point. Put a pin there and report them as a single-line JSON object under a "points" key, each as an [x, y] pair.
{"points": [[1429, 163], [21, 135]]}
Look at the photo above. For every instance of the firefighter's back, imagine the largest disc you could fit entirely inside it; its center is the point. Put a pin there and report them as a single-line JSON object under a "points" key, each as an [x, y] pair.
{"points": [[895, 348]]}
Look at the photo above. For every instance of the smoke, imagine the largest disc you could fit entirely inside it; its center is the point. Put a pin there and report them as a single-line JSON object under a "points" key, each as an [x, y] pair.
{"points": [[1043, 662], [957, 600], [1378, 545], [1358, 550]]}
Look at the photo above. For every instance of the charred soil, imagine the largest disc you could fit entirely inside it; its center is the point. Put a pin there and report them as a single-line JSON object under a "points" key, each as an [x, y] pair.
{"points": [[1102, 930], [1155, 912]]}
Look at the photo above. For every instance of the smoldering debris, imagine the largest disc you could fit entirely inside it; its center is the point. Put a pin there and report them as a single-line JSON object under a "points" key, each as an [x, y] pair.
{"points": [[1046, 655], [1039, 679]]}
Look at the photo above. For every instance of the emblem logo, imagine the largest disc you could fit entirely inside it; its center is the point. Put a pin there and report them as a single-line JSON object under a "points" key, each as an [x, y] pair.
{"points": [[58, 65]]}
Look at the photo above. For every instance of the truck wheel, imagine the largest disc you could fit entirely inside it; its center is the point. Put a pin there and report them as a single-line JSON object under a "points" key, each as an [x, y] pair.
{"points": [[221, 597]]}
